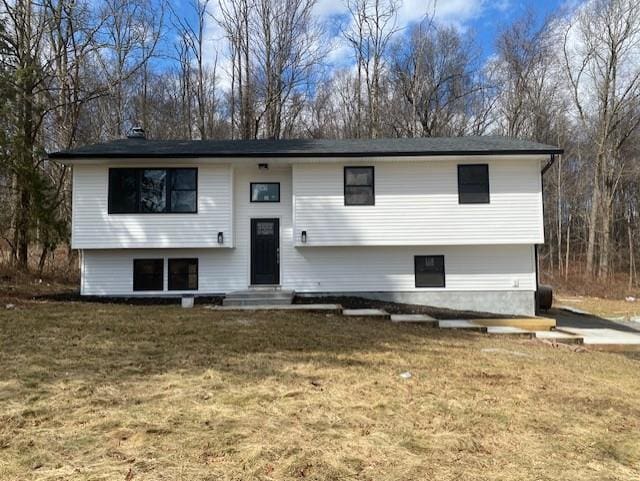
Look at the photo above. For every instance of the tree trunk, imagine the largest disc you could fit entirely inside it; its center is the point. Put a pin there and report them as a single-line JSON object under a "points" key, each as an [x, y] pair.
{"points": [[593, 217], [22, 228], [43, 259], [605, 243], [631, 257], [566, 256], [559, 211]]}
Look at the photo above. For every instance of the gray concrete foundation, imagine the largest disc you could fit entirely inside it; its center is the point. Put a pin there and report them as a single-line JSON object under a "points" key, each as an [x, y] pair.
{"points": [[519, 303]]}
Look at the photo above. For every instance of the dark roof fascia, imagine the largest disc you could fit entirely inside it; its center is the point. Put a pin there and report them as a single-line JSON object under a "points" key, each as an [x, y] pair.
{"points": [[446, 153]]}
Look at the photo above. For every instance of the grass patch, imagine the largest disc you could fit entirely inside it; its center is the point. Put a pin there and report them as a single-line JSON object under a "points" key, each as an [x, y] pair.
{"points": [[102, 392], [612, 308]]}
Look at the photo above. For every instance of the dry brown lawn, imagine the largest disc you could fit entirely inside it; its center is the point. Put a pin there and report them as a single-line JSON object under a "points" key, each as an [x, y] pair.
{"points": [[613, 308], [115, 392]]}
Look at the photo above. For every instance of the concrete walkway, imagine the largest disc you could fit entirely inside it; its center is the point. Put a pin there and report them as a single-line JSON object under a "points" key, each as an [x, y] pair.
{"points": [[571, 326], [596, 332], [606, 338]]}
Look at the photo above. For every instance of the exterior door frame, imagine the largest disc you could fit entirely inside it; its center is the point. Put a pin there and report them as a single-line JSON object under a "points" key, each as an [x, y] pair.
{"points": [[252, 223]]}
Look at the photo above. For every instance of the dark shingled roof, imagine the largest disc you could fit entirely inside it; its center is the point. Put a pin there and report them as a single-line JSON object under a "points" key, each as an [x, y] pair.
{"points": [[431, 146]]}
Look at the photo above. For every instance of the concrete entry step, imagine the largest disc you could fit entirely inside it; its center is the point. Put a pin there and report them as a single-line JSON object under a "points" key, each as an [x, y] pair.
{"points": [[256, 301], [510, 331], [327, 308], [271, 292], [558, 337], [415, 319], [462, 325], [377, 313], [259, 296]]}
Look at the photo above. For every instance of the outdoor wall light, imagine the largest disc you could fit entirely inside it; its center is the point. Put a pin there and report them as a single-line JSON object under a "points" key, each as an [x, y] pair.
{"points": [[263, 166], [220, 238], [303, 236]]}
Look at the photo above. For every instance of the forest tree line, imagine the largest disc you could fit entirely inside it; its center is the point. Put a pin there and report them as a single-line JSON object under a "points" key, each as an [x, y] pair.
{"points": [[74, 72]]}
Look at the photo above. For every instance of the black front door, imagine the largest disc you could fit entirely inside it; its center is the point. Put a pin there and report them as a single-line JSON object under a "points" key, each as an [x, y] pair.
{"points": [[265, 251]]}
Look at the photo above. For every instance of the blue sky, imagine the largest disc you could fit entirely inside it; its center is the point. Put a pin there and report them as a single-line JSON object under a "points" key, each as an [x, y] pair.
{"points": [[495, 15]]}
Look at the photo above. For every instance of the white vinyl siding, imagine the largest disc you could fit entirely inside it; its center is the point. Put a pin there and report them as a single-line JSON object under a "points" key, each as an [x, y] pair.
{"points": [[110, 272], [325, 269], [486, 248], [94, 228], [245, 210], [467, 268], [417, 204]]}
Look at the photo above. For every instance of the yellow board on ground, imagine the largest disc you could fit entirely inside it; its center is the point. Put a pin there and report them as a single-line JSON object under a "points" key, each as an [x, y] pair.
{"points": [[529, 323]]}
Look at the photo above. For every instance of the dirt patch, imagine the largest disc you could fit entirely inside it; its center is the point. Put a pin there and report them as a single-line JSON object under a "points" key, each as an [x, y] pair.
{"points": [[130, 301]]}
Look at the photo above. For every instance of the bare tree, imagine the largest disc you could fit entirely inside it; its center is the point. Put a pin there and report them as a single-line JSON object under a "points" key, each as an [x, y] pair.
{"points": [[600, 50], [192, 35], [436, 78], [525, 71], [129, 35], [288, 50], [235, 19], [373, 23]]}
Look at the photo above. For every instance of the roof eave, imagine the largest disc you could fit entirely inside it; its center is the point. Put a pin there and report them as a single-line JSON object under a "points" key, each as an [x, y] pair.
{"points": [[160, 155]]}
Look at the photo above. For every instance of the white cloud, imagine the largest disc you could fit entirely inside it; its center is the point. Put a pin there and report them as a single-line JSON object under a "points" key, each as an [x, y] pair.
{"points": [[329, 8], [458, 13], [455, 12]]}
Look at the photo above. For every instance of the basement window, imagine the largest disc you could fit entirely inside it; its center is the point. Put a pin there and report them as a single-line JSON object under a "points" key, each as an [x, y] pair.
{"points": [[183, 274], [429, 271], [359, 186], [148, 274], [473, 184]]}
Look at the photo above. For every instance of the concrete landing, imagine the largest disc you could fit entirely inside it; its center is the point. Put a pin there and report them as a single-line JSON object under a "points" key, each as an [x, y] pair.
{"points": [[415, 319], [462, 325], [259, 296], [510, 331], [558, 337], [336, 308], [377, 313], [606, 339]]}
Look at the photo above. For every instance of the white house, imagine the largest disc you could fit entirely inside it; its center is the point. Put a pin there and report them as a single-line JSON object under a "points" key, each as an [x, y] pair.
{"points": [[447, 222]]}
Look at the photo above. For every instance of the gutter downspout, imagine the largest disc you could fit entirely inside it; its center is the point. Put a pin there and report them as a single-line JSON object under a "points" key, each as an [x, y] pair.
{"points": [[547, 166], [552, 161]]}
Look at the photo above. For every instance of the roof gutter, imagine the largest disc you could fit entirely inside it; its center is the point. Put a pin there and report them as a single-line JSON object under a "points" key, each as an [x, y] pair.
{"points": [[301, 154], [549, 164]]}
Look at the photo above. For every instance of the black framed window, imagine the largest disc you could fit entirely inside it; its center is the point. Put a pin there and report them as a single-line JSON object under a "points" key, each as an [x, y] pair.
{"points": [[123, 191], [148, 274], [265, 191], [473, 184], [359, 186], [135, 191], [429, 271], [184, 190], [183, 274]]}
